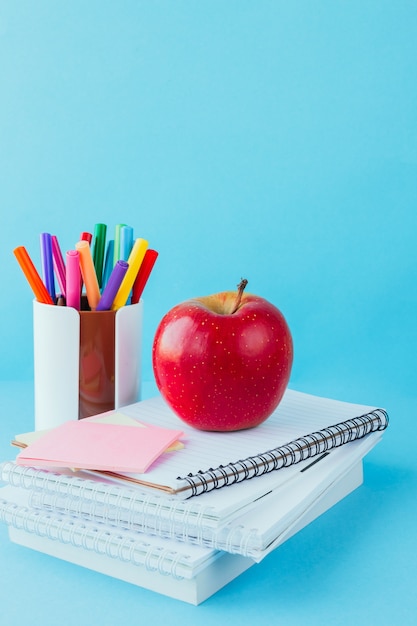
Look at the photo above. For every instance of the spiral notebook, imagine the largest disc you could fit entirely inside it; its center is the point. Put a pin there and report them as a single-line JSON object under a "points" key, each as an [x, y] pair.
{"points": [[252, 533], [176, 569], [169, 557], [302, 427]]}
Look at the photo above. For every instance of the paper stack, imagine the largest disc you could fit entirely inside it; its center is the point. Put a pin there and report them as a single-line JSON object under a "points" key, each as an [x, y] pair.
{"points": [[137, 516]]}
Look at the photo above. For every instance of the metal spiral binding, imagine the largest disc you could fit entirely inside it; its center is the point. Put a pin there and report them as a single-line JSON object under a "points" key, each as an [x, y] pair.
{"points": [[286, 455], [92, 537]]}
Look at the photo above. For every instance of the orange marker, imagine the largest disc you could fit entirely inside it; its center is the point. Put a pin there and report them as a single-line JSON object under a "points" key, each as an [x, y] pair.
{"points": [[88, 273], [35, 281]]}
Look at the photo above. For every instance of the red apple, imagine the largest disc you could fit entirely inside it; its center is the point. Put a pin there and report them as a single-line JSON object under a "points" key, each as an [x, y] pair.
{"points": [[222, 362]]}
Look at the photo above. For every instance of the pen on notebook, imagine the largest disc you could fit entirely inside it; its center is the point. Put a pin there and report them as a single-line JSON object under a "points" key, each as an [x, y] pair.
{"points": [[47, 263], [59, 265], [35, 281], [99, 243], [73, 279], [134, 261], [143, 274], [108, 263], [89, 274], [112, 286], [126, 242]]}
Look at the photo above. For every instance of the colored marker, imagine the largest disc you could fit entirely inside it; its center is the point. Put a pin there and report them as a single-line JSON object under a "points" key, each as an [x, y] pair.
{"points": [[47, 264], [89, 274], [35, 281], [126, 242], [99, 243], [59, 265], [108, 263], [112, 286], [72, 277], [135, 260], [116, 252], [86, 237], [143, 274]]}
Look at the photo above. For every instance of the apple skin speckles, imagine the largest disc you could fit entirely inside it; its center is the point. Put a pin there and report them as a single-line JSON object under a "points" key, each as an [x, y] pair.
{"points": [[223, 371]]}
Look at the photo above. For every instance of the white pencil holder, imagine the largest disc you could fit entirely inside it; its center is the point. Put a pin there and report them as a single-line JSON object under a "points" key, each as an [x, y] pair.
{"points": [[85, 362]]}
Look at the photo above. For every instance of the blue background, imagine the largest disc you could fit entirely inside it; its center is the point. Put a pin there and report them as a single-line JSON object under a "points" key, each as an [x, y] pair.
{"points": [[271, 140]]}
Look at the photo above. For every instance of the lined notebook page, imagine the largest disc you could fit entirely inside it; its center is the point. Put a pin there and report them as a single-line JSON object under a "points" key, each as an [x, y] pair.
{"points": [[297, 415]]}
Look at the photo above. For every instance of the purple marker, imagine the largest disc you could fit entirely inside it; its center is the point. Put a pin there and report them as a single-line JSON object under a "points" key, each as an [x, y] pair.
{"points": [[112, 286], [47, 263]]}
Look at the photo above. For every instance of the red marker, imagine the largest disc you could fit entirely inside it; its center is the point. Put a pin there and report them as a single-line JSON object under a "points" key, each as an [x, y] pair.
{"points": [[86, 237], [143, 274]]}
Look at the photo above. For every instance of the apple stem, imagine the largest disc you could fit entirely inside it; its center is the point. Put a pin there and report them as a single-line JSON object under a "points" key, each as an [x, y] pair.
{"points": [[241, 287]]}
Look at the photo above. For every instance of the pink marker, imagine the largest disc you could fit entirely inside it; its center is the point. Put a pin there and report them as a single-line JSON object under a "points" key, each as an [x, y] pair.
{"points": [[73, 294], [59, 265]]}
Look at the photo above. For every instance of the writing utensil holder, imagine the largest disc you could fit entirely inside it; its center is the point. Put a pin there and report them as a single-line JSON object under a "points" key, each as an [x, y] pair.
{"points": [[85, 362]]}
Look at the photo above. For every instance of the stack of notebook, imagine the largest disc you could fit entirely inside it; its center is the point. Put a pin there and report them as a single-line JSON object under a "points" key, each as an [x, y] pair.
{"points": [[208, 508]]}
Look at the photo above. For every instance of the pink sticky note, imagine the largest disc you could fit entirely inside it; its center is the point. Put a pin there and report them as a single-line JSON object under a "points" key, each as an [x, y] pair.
{"points": [[86, 444]]}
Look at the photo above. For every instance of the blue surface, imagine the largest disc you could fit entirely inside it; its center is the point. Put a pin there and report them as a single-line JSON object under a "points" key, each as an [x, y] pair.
{"points": [[271, 140]]}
